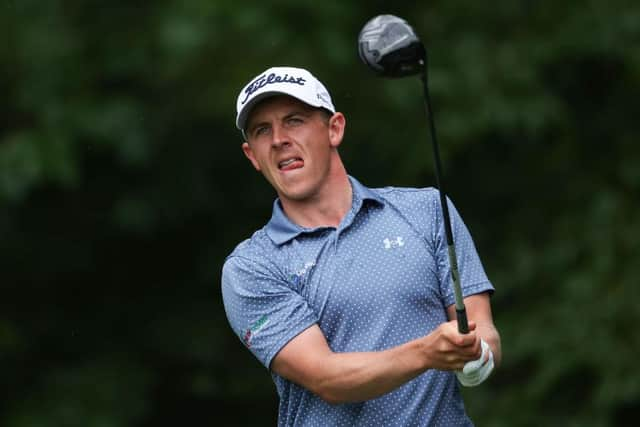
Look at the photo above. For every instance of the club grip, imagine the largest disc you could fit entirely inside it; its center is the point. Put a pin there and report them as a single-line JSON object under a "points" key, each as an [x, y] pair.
{"points": [[463, 325]]}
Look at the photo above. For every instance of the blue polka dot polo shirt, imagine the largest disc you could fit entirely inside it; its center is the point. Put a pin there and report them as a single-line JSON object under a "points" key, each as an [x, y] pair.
{"points": [[378, 280]]}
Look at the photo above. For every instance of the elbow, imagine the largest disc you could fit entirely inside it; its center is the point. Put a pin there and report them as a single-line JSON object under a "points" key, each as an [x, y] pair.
{"points": [[327, 394], [332, 400], [338, 397], [331, 394]]}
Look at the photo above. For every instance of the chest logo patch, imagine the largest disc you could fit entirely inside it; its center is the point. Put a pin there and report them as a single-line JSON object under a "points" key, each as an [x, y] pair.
{"points": [[299, 274], [398, 242]]}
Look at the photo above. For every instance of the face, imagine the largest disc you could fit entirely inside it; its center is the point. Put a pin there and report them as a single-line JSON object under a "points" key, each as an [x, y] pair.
{"points": [[294, 146]]}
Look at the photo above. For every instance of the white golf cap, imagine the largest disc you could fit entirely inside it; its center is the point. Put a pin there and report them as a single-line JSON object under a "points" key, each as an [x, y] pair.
{"points": [[295, 82]]}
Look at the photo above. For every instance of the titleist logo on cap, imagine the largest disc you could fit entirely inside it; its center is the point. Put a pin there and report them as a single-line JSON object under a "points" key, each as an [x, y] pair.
{"points": [[272, 78]]}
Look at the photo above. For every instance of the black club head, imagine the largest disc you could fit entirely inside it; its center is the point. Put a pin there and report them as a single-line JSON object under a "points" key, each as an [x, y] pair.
{"points": [[390, 47]]}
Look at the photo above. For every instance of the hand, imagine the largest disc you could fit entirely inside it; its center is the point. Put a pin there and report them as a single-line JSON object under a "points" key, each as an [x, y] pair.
{"points": [[446, 349], [476, 371]]}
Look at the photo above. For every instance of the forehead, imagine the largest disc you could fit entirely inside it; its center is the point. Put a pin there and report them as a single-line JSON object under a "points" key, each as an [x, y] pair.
{"points": [[278, 104]]}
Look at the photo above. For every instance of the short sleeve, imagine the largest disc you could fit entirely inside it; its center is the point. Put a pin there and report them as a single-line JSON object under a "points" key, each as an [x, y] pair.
{"points": [[263, 311], [473, 279]]}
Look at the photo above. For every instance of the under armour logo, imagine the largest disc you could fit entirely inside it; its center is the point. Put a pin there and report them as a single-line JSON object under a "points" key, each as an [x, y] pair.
{"points": [[395, 243]]}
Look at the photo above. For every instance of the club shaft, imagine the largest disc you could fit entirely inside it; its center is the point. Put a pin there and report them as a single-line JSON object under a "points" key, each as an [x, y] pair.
{"points": [[461, 311]]}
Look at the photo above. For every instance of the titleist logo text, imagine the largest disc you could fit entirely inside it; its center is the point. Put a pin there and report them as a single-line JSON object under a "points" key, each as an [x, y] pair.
{"points": [[264, 80]]}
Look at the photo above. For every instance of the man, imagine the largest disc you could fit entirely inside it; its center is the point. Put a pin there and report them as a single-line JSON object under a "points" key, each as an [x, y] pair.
{"points": [[345, 294]]}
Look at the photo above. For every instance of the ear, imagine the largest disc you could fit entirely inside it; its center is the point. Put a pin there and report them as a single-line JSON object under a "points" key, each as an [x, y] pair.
{"points": [[337, 123], [246, 149]]}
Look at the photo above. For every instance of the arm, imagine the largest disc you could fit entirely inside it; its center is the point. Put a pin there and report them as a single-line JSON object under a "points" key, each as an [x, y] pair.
{"points": [[479, 310], [308, 361]]}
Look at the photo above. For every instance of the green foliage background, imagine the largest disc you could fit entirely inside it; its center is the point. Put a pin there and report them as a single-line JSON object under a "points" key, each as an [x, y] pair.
{"points": [[123, 187]]}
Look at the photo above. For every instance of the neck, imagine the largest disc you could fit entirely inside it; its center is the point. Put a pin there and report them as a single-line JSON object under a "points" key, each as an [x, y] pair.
{"points": [[328, 207]]}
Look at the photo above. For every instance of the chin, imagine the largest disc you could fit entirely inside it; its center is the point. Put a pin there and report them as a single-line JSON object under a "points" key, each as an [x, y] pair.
{"points": [[295, 196], [300, 188], [297, 193]]}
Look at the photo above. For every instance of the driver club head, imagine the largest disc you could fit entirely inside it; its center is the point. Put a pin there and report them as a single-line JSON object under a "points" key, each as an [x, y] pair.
{"points": [[390, 47]]}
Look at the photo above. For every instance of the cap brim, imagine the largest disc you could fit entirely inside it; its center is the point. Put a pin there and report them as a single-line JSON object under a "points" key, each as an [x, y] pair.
{"points": [[241, 120]]}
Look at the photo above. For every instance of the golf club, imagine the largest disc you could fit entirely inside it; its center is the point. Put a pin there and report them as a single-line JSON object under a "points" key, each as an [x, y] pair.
{"points": [[388, 45]]}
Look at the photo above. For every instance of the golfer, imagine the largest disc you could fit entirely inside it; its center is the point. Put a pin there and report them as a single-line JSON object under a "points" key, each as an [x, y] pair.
{"points": [[345, 295]]}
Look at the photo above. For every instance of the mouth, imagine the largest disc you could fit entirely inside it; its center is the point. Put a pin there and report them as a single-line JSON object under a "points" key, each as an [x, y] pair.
{"points": [[290, 164]]}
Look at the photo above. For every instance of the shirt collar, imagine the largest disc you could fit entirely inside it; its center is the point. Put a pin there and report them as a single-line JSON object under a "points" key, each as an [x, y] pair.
{"points": [[281, 229]]}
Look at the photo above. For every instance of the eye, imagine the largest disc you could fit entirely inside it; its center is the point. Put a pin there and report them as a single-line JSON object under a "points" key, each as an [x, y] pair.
{"points": [[294, 120], [260, 131]]}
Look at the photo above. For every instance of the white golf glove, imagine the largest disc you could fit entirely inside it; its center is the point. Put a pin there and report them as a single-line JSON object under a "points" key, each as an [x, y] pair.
{"points": [[477, 371]]}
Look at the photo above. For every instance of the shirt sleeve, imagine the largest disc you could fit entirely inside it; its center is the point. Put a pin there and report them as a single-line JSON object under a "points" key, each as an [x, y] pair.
{"points": [[261, 307], [473, 279]]}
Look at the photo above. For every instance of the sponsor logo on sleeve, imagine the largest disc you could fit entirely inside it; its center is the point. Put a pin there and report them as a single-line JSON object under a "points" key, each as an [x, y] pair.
{"points": [[251, 331]]}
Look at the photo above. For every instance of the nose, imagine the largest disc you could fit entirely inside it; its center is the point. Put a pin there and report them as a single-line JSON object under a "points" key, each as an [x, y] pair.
{"points": [[280, 137]]}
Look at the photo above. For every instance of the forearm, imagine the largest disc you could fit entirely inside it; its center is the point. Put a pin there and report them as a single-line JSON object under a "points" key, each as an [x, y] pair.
{"points": [[354, 377]]}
